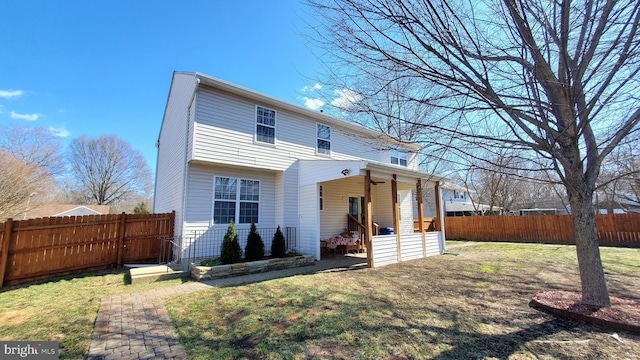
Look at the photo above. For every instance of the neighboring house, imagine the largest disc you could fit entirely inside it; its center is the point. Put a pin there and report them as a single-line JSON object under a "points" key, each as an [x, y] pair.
{"points": [[229, 153], [458, 202], [620, 205], [52, 210]]}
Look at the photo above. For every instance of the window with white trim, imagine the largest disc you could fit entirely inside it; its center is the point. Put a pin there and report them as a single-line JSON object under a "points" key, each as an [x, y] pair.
{"points": [[265, 125], [399, 157], [323, 135], [237, 200]]}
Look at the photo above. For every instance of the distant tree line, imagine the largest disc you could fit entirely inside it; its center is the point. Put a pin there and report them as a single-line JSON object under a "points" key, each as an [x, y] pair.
{"points": [[37, 170]]}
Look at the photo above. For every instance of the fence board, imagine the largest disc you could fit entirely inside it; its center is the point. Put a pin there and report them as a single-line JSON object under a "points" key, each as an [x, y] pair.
{"points": [[612, 229], [37, 248]]}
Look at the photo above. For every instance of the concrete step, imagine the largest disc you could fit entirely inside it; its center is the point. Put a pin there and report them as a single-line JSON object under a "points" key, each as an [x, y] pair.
{"points": [[154, 273]]}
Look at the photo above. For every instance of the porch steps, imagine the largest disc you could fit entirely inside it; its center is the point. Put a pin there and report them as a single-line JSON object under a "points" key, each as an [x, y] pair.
{"points": [[154, 273]]}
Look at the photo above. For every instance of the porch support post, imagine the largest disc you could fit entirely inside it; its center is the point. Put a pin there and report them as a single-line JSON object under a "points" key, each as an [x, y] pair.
{"points": [[368, 219], [396, 221], [421, 216], [438, 210]]}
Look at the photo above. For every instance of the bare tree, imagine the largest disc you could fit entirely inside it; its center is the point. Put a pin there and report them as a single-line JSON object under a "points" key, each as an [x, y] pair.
{"points": [[108, 170], [556, 82], [21, 183], [34, 145], [31, 160], [498, 181], [618, 184], [629, 165]]}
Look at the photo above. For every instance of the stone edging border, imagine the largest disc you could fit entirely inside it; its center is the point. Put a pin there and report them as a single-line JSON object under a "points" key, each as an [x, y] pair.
{"points": [[202, 273]]}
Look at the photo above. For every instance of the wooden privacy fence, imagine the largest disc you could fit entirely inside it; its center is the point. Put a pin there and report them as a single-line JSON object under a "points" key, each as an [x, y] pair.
{"points": [[613, 230], [40, 248]]}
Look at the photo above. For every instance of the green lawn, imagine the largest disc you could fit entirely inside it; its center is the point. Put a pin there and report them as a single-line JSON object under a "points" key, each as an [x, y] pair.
{"points": [[470, 303], [62, 309]]}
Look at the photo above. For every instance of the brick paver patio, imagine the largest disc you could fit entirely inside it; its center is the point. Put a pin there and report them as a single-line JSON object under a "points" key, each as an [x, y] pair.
{"points": [[137, 326]]}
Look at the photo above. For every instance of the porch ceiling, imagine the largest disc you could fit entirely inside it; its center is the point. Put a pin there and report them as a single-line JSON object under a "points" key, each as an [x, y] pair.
{"points": [[316, 171]]}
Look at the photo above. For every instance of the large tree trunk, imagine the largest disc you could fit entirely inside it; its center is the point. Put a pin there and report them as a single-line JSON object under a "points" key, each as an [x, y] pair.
{"points": [[594, 287]]}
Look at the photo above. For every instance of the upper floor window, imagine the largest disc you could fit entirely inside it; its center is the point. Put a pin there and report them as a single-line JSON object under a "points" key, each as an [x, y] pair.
{"points": [[458, 194], [237, 200], [265, 125], [398, 157], [323, 139]]}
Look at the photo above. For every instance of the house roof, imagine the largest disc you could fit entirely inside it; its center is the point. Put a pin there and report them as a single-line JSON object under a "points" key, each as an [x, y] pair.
{"points": [[316, 115], [467, 206], [50, 210], [452, 186]]}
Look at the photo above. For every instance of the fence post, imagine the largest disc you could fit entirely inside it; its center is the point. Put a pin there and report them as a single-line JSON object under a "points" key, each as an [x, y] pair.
{"points": [[5, 249], [121, 232]]}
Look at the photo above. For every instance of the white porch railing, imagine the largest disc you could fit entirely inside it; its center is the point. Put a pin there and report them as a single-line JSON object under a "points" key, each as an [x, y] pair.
{"points": [[385, 247]]}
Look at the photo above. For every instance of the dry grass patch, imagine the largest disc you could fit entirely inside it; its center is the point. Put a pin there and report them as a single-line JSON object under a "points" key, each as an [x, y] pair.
{"points": [[62, 309], [471, 304]]}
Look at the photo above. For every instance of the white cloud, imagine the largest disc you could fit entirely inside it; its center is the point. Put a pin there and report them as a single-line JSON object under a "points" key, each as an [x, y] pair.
{"points": [[346, 98], [313, 104], [60, 132], [28, 117], [312, 88], [8, 94]]}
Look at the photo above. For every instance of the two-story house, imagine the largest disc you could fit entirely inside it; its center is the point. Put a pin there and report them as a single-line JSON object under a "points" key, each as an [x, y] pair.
{"points": [[229, 153], [458, 201]]}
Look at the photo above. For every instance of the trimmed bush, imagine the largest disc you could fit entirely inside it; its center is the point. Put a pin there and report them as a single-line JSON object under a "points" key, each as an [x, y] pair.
{"points": [[278, 246], [231, 251], [255, 246]]}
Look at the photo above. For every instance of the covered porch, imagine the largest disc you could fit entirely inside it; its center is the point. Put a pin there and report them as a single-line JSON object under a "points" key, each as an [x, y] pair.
{"points": [[374, 202]]}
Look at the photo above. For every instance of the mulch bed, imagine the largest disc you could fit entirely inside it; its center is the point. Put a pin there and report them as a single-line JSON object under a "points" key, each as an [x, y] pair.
{"points": [[624, 314]]}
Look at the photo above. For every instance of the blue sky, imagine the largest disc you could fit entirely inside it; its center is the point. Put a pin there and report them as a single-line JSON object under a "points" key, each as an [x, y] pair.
{"points": [[104, 67]]}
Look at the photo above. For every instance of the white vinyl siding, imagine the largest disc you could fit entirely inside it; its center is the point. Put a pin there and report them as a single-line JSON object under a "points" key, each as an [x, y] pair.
{"points": [[200, 195], [216, 136], [385, 250], [226, 135], [405, 202], [309, 221], [411, 247], [434, 243], [333, 220], [172, 149], [290, 197]]}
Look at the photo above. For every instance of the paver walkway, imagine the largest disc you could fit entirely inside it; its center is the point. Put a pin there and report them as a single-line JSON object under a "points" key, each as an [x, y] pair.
{"points": [[137, 326]]}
